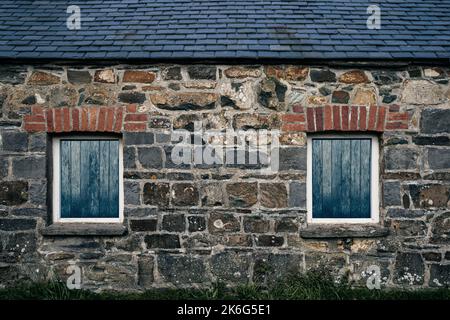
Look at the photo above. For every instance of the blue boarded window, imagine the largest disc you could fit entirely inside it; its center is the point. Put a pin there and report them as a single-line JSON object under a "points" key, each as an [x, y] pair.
{"points": [[342, 178], [89, 179]]}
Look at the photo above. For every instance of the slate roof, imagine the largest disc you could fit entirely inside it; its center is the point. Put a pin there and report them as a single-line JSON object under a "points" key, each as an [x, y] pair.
{"points": [[298, 29]]}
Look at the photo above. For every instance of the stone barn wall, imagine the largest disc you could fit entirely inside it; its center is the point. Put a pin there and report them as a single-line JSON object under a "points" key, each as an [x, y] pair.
{"points": [[190, 225]]}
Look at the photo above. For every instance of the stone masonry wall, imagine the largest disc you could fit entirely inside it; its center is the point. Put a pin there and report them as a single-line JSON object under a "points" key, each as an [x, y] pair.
{"points": [[190, 225]]}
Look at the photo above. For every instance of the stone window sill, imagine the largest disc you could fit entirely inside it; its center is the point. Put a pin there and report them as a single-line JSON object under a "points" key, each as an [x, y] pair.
{"points": [[330, 231], [84, 229]]}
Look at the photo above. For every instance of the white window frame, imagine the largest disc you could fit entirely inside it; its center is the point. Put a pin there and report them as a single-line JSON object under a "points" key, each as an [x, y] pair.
{"points": [[56, 181], [374, 177]]}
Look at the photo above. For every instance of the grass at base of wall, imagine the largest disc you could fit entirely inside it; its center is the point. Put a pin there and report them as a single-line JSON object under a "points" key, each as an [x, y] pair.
{"points": [[309, 286]]}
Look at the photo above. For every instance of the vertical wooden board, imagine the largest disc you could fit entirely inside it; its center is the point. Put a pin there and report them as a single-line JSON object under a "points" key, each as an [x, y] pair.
{"points": [[104, 178], [65, 181], [75, 178], [93, 170], [84, 179], [366, 151], [355, 179], [114, 179], [327, 200], [346, 165], [336, 176], [317, 178]]}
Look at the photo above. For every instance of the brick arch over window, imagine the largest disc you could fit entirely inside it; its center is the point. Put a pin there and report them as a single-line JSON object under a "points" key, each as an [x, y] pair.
{"points": [[345, 118], [85, 119]]}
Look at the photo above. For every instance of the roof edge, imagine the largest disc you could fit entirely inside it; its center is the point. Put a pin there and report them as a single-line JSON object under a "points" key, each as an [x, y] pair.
{"points": [[363, 62]]}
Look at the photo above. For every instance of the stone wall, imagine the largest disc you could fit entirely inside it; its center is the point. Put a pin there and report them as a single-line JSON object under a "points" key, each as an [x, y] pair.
{"points": [[189, 225]]}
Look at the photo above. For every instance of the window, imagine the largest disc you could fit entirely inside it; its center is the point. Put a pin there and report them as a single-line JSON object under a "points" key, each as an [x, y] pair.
{"points": [[87, 179], [342, 179]]}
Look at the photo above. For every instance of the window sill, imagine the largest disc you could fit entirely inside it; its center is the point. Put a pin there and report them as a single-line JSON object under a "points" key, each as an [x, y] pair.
{"points": [[84, 229], [330, 231]]}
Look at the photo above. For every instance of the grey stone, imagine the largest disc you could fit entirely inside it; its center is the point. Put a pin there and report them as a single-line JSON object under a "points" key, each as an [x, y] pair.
{"points": [[343, 231], [297, 194], [143, 224], [432, 141], [435, 121], [145, 271], [132, 97], [162, 241], [29, 167], [38, 142], [212, 194], [438, 159], [439, 275], [432, 256], [256, 225], [14, 141], [172, 73], [78, 76], [84, 229], [385, 77], [409, 268], [129, 157], [162, 137], [292, 158], [17, 224], [38, 192], [10, 74], [322, 76], [13, 192], [132, 192], [196, 223], [133, 138], [170, 164], [440, 229], [391, 193], [178, 269], [4, 163], [401, 159], [265, 240], [174, 223], [150, 157], [185, 194], [405, 213], [409, 228], [202, 72], [274, 267], [231, 266], [157, 194], [287, 224]]}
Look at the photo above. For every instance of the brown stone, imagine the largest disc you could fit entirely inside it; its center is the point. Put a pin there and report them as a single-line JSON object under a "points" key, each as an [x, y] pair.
{"points": [[365, 97], [200, 84], [340, 97], [297, 139], [273, 195], [317, 100], [256, 121], [242, 72], [242, 194], [41, 78], [354, 77], [184, 194], [185, 100], [139, 76], [105, 76], [223, 222], [289, 73]]}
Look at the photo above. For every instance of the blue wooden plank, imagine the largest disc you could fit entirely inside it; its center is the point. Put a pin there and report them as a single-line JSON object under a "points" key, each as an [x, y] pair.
{"points": [[94, 178], [366, 147], [84, 179], [104, 164], [327, 199], [336, 176], [317, 178], [355, 184], [75, 178], [65, 181], [114, 178], [346, 164]]}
